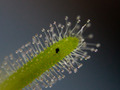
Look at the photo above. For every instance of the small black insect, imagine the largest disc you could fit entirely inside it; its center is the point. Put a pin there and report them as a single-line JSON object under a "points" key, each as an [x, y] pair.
{"points": [[57, 50]]}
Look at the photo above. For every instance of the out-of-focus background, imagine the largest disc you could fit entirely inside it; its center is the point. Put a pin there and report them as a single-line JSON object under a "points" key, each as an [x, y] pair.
{"points": [[21, 19]]}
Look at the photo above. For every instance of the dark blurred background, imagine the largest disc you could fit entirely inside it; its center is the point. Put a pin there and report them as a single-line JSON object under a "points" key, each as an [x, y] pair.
{"points": [[21, 19]]}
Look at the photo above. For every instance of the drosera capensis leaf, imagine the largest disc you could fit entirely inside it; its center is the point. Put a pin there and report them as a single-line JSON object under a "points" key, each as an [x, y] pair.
{"points": [[46, 60], [41, 64]]}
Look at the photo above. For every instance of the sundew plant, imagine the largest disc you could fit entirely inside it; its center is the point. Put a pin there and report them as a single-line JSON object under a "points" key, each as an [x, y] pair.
{"points": [[40, 65]]}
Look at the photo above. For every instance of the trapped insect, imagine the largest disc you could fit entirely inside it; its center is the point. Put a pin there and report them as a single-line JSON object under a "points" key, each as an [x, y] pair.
{"points": [[39, 65]]}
